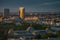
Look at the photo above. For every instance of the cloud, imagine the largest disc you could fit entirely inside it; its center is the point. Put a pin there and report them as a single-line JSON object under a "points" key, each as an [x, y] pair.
{"points": [[50, 3]]}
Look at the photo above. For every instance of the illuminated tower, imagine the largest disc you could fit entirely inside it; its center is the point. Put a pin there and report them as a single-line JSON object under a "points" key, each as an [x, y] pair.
{"points": [[21, 12]]}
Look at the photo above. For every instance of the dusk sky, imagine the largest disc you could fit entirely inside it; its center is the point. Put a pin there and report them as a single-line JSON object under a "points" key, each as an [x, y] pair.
{"points": [[31, 5]]}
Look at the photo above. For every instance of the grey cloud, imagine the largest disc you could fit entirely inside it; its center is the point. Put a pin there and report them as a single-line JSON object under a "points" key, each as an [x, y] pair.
{"points": [[50, 3]]}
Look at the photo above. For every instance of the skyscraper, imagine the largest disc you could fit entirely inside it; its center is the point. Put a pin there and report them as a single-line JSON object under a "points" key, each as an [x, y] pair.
{"points": [[21, 12], [6, 12]]}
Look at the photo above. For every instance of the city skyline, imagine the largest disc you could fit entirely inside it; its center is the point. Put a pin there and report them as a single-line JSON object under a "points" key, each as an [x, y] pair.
{"points": [[31, 5]]}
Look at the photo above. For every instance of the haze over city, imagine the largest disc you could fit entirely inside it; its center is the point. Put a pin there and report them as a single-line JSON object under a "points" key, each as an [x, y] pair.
{"points": [[31, 5], [29, 19]]}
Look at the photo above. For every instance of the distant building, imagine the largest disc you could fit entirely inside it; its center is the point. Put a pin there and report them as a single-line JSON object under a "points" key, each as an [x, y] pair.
{"points": [[1, 14], [57, 22], [21, 12], [34, 18], [6, 12], [31, 18], [0, 18], [12, 18]]}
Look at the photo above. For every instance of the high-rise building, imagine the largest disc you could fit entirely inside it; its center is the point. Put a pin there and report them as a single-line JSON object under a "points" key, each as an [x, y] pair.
{"points": [[6, 12], [21, 12]]}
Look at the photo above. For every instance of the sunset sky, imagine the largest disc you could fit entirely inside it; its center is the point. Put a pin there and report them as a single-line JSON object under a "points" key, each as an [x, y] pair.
{"points": [[31, 5]]}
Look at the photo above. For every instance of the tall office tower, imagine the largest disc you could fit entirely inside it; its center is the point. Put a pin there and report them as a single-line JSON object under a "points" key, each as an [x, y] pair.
{"points": [[21, 12], [6, 12]]}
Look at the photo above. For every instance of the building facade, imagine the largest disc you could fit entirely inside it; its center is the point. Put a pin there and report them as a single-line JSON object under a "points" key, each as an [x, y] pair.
{"points": [[6, 12], [21, 12], [0, 18]]}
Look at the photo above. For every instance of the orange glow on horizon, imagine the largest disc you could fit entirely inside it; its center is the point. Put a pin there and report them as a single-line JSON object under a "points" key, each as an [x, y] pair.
{"points": [[31, 18]]}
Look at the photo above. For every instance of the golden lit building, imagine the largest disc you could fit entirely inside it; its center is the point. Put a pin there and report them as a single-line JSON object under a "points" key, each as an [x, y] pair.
{"points": [[0, 18], [21, 12], [31, 18]]}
